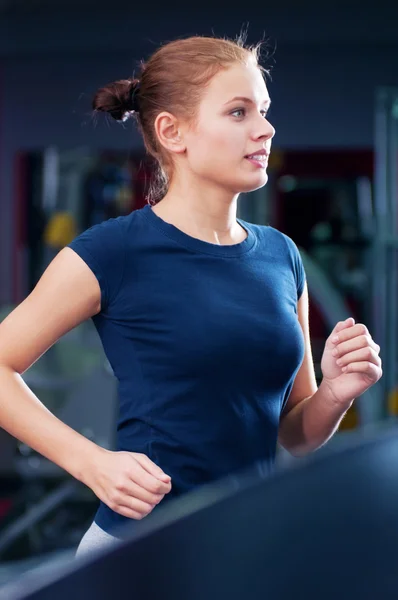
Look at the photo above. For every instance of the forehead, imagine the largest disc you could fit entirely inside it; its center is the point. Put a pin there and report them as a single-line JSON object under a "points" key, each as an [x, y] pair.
{"points": [[237, 80]]}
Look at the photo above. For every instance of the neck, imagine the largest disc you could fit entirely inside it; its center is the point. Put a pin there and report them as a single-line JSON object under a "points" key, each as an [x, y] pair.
{"points": [[209, 215]]}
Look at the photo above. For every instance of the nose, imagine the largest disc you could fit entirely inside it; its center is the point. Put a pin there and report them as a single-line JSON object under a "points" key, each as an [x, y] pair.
{"points": [[266, 131]]}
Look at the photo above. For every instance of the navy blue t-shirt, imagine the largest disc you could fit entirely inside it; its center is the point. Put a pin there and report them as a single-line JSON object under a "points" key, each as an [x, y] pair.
{"points": [[203, 339]]}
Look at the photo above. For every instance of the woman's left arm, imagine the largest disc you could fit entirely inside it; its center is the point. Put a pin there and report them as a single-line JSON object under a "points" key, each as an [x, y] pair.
{"points": [[350, 365]]}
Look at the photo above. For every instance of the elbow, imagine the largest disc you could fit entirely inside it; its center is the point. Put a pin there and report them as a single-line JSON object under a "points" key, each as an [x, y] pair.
{"points": [[297, 450], [300, 451]]}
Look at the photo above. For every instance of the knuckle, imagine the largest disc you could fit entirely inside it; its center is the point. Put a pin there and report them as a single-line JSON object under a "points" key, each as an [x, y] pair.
{"points": [[157, 486], [366, 340], [120, 485], [147, 508], [364, 329], [114, 497], [369, 352]]}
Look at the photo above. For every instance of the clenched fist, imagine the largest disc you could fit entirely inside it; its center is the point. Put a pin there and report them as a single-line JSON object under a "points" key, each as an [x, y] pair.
{"points": [[128, 482]]}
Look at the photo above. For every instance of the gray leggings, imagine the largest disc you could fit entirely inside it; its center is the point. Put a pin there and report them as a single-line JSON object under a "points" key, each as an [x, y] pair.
{"points": [[95, 538]]}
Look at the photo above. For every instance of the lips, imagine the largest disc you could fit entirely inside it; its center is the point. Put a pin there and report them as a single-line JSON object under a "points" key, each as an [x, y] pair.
{"points": [[261, 153], [259, 158]]}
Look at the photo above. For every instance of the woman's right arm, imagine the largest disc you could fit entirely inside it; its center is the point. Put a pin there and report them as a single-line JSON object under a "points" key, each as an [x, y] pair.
{"points": [[67, 294]]}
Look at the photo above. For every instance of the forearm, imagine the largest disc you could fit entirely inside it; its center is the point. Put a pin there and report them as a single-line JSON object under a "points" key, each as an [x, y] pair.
{"points": [[26, 418], [312, 422]]}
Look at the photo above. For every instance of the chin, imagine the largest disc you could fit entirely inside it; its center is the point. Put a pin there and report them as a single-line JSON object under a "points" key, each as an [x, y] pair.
{"points": [[255, 183]]}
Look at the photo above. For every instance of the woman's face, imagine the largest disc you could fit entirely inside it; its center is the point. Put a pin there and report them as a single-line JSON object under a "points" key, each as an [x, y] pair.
{"points": [[231, 125]]}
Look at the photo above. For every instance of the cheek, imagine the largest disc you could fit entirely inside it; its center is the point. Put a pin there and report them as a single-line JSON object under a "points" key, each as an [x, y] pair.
{"points": [[219, 145]]}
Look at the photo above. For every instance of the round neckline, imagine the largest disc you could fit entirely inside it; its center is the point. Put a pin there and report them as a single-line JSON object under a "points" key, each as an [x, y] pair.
{"points": [[198, 245]]}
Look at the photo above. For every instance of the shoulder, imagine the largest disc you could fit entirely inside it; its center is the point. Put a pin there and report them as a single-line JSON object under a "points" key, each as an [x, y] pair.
{"points": [[105, 235], [277, 241], [282, 250], [103, 248]]}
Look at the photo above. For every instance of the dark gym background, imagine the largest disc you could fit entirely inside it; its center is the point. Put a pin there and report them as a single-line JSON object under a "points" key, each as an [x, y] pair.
{"points": [[332, 188]]}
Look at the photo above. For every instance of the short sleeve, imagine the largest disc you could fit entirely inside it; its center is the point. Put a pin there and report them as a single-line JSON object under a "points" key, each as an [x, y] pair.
{"points": [[297, 264], [102, 248]]}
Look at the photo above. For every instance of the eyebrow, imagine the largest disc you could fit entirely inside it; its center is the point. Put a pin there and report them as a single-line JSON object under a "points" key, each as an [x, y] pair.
{"points": [[246, 100]]}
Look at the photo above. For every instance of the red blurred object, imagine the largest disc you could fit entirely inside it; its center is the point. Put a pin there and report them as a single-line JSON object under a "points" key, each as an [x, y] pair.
{"points": [[5, 506]]}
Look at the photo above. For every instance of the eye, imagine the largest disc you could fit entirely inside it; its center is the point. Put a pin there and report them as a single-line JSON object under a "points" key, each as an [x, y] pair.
{"points": [[239, 110], [243, 111]]}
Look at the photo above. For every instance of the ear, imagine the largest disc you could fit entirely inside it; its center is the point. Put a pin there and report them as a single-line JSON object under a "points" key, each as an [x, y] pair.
{"points": [[169, 133]]}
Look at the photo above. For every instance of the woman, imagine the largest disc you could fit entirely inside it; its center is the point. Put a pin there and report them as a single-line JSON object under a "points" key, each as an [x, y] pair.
{"points": [[203, 317]]}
